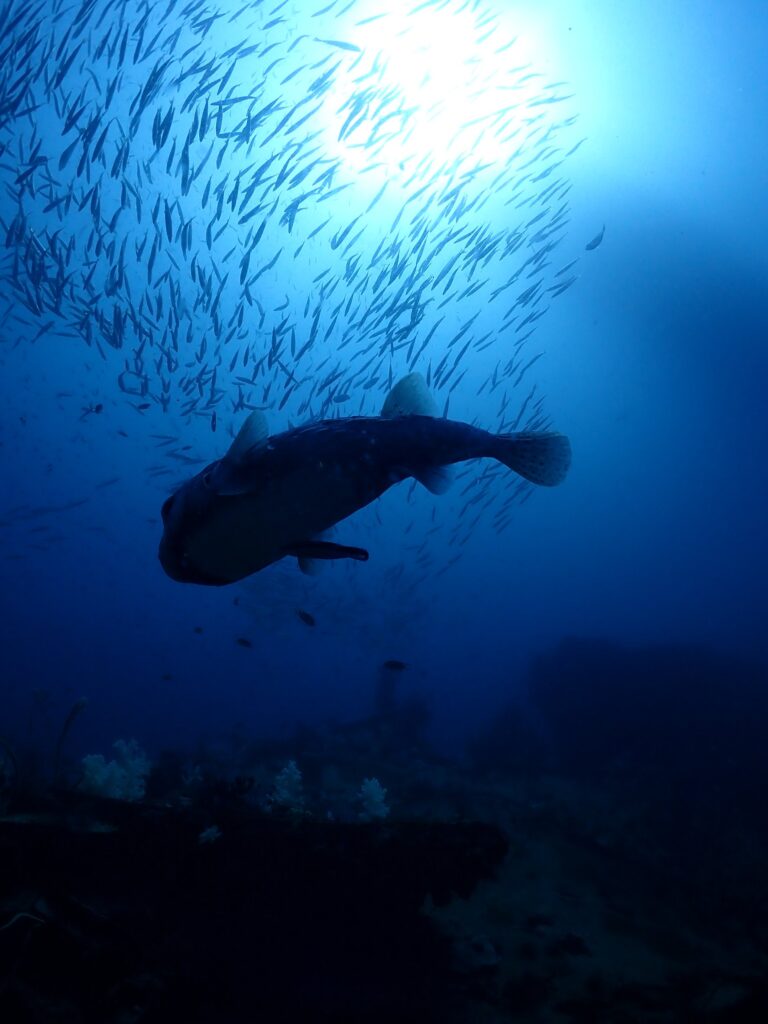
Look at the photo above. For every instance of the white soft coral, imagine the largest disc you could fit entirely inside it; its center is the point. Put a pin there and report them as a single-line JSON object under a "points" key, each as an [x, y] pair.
{"points": [[373, 797], [124, 778]]}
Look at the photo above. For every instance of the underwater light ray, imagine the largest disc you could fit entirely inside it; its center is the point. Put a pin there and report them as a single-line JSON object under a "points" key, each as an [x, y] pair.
{"points": [[290, 223], [439, 78]]}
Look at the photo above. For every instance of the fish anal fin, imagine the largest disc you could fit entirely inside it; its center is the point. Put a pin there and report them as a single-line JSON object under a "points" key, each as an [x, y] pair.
{"points": [[310, 566], [436, 479]]}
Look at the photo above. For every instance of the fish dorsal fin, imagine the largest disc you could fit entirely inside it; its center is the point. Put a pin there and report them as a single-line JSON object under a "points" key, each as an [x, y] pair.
{"points": [[253, 432], [409, 397]]}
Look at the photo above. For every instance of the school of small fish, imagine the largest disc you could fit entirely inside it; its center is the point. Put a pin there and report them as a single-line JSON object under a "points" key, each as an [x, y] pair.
{"points": [[229, 204]]}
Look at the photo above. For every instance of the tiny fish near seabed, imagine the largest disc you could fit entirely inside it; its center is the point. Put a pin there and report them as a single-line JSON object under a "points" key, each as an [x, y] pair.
{"points": [[270, 497]]}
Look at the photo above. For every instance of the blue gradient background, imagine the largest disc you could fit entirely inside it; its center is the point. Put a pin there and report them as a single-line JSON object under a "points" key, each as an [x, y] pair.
{"points": [[655, 366]]}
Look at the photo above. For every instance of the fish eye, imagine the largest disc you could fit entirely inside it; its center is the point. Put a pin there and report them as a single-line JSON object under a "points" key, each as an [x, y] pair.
{"points": [[167, 506], [207, 479]]}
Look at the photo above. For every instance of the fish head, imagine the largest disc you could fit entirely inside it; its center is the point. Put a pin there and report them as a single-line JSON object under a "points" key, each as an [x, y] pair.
{"points": [[222, 525], [185, 514]]}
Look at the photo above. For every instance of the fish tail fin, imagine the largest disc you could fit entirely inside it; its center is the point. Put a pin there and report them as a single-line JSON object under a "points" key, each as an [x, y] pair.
{"points": [[541, 457]]}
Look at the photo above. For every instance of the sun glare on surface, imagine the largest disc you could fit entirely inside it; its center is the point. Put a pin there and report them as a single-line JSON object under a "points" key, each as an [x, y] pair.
{"points": [[435, 84]]}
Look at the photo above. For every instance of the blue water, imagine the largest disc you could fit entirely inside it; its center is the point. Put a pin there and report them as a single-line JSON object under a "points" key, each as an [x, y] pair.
{"points": [[556, 215], [404, 162], [652, 365]]}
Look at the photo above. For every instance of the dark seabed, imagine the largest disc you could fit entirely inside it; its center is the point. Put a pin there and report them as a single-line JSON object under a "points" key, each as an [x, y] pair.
{"points": [[463, 750]]}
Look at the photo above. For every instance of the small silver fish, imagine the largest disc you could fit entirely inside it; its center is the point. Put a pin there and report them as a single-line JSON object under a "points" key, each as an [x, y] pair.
{"points": [[596, 240]]}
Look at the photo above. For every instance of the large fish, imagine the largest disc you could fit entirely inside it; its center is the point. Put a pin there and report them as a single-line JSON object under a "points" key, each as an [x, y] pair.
{"points": [[269, 497]]}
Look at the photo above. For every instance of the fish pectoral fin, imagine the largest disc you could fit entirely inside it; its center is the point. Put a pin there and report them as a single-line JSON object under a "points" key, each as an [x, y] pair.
{"points": [[309, 552]]}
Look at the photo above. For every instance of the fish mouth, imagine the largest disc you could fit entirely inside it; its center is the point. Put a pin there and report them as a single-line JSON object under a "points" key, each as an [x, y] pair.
{"points": [[171, 561], [177, 566]]}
